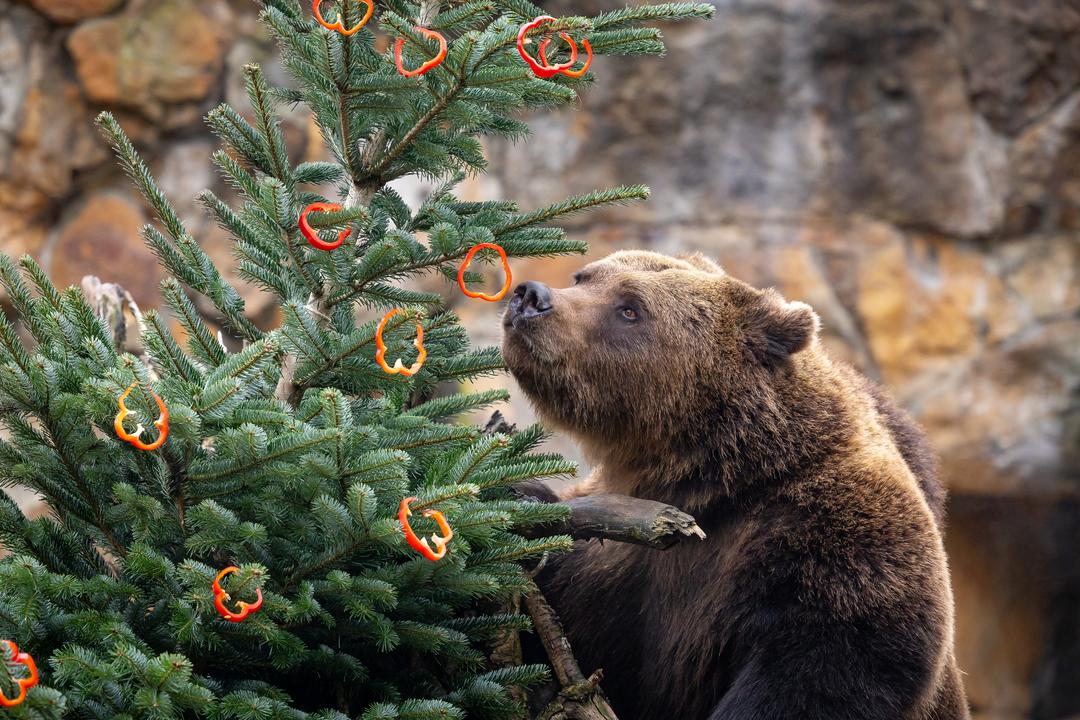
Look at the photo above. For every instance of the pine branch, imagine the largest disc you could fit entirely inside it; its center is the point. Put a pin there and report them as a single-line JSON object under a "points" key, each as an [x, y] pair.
{"points": [[667, 12], [183, 256], [270, 130], [200, 339], [615, 196], [375, 173], [348, 147], [287, 389], [140, 174], [71, 466], [285, 449], [451, 405]]}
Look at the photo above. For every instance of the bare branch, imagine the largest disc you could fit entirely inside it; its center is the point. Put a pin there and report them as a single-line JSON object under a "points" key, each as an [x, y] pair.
{"points": [[623, 518], [580, 697]]}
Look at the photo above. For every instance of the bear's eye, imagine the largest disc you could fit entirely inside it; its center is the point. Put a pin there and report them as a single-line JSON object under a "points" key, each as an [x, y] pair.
{"points": [[628, 313]]}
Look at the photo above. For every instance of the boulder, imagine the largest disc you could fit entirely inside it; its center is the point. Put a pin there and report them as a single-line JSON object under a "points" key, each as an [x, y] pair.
{"points": [[101, 237], [44, 126], [151, 55], [71, 11]]}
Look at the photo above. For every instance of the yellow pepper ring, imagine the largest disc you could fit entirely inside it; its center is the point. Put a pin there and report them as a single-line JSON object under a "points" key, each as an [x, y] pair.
{"points": [[380, 349], [162, 423], [340, 24]]}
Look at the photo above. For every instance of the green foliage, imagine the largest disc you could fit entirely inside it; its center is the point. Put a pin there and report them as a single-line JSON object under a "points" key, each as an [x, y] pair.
{"points": [[289, 456]]}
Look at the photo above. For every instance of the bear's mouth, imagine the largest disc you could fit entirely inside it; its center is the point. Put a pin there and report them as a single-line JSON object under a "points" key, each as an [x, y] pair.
{"points": [[519, 322]]}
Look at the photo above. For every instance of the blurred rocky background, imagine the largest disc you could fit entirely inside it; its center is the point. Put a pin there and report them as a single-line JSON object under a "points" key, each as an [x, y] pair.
{"points": [[911, 168]]}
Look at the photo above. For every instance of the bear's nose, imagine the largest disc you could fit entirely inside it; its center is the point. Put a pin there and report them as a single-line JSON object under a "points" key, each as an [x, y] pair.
{"points": [[535, 298]]}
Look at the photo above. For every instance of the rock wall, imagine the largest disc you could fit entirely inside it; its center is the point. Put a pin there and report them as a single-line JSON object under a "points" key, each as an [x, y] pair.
{"points": [[911, 168], [159, 65]]}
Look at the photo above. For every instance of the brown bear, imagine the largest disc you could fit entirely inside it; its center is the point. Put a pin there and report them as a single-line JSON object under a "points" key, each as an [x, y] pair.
{"points": [[822, 589]]}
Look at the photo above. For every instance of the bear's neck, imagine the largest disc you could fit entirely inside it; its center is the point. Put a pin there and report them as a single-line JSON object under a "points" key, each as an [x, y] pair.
{"points": [[738, 444]]}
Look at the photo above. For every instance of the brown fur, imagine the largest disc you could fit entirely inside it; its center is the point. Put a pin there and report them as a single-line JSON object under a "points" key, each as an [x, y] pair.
{"points": [[822, 590]]}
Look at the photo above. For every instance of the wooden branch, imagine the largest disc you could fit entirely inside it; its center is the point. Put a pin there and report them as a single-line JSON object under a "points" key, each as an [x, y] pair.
{"points": [[497, 424], [580, 697], [504, 648], [622, 518]]}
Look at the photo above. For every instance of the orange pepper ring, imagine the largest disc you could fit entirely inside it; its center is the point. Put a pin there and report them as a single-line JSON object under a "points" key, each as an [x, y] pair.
{"points": [[568, 73], [440, 541], [380, 349], [220, 596], [20, 658], [162, 423], [399, 45], [339, 25], [421, 545], [312, 235], [506, 268], [542, 70]]}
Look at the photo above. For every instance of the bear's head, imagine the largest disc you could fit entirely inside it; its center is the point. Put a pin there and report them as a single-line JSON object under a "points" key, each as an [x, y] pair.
{"points": [[644, 346]]}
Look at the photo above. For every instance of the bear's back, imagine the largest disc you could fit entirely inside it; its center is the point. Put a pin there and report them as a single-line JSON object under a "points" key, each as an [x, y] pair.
{"points": [[913, 446]]}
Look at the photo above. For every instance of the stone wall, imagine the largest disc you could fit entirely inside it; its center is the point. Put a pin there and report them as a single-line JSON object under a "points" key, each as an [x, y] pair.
{"points": [[911, 168]]}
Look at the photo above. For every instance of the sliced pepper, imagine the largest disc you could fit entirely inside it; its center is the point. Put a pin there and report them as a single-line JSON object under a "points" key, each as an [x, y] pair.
{"points": [[311, 235], [380, 349], [421, 544], [542, 69], [399, 45], [568, 73], [506, 269], [162, 423], [220, 596], [339, 25], [23, 683]]}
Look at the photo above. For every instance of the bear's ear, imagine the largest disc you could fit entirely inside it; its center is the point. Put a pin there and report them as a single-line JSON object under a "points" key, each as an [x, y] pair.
{"points": [[701, 262], [779, 329]]}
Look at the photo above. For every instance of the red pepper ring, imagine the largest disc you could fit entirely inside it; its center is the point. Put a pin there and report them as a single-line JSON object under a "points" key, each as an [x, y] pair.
{"points": [[340, 24], [421, 545], [543, 70], [569, 73], [506, 269], [399, 45], [398, 368], [220, 596], [311, 235], [24, 683], [162, 423]]}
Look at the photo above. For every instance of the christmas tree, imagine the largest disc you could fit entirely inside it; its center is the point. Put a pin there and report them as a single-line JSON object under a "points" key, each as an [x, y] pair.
{"points": [[243, 551]]}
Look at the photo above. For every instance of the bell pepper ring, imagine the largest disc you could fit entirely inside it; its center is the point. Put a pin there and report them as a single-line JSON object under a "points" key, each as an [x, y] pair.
{"points": [[380, 349], [568, 73], [312, 235], [339, 25], [220, 596], [399, 45], [162, 423], [542, 69], [421, 544], [506, 269], [23, 683]]}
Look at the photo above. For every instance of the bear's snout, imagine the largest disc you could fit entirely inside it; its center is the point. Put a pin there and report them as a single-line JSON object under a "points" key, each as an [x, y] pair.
{"points": [[531, 300]]}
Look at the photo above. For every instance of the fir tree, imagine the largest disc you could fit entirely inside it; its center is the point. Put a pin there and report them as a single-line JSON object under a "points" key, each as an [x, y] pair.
{"points": [[289, 457]]}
